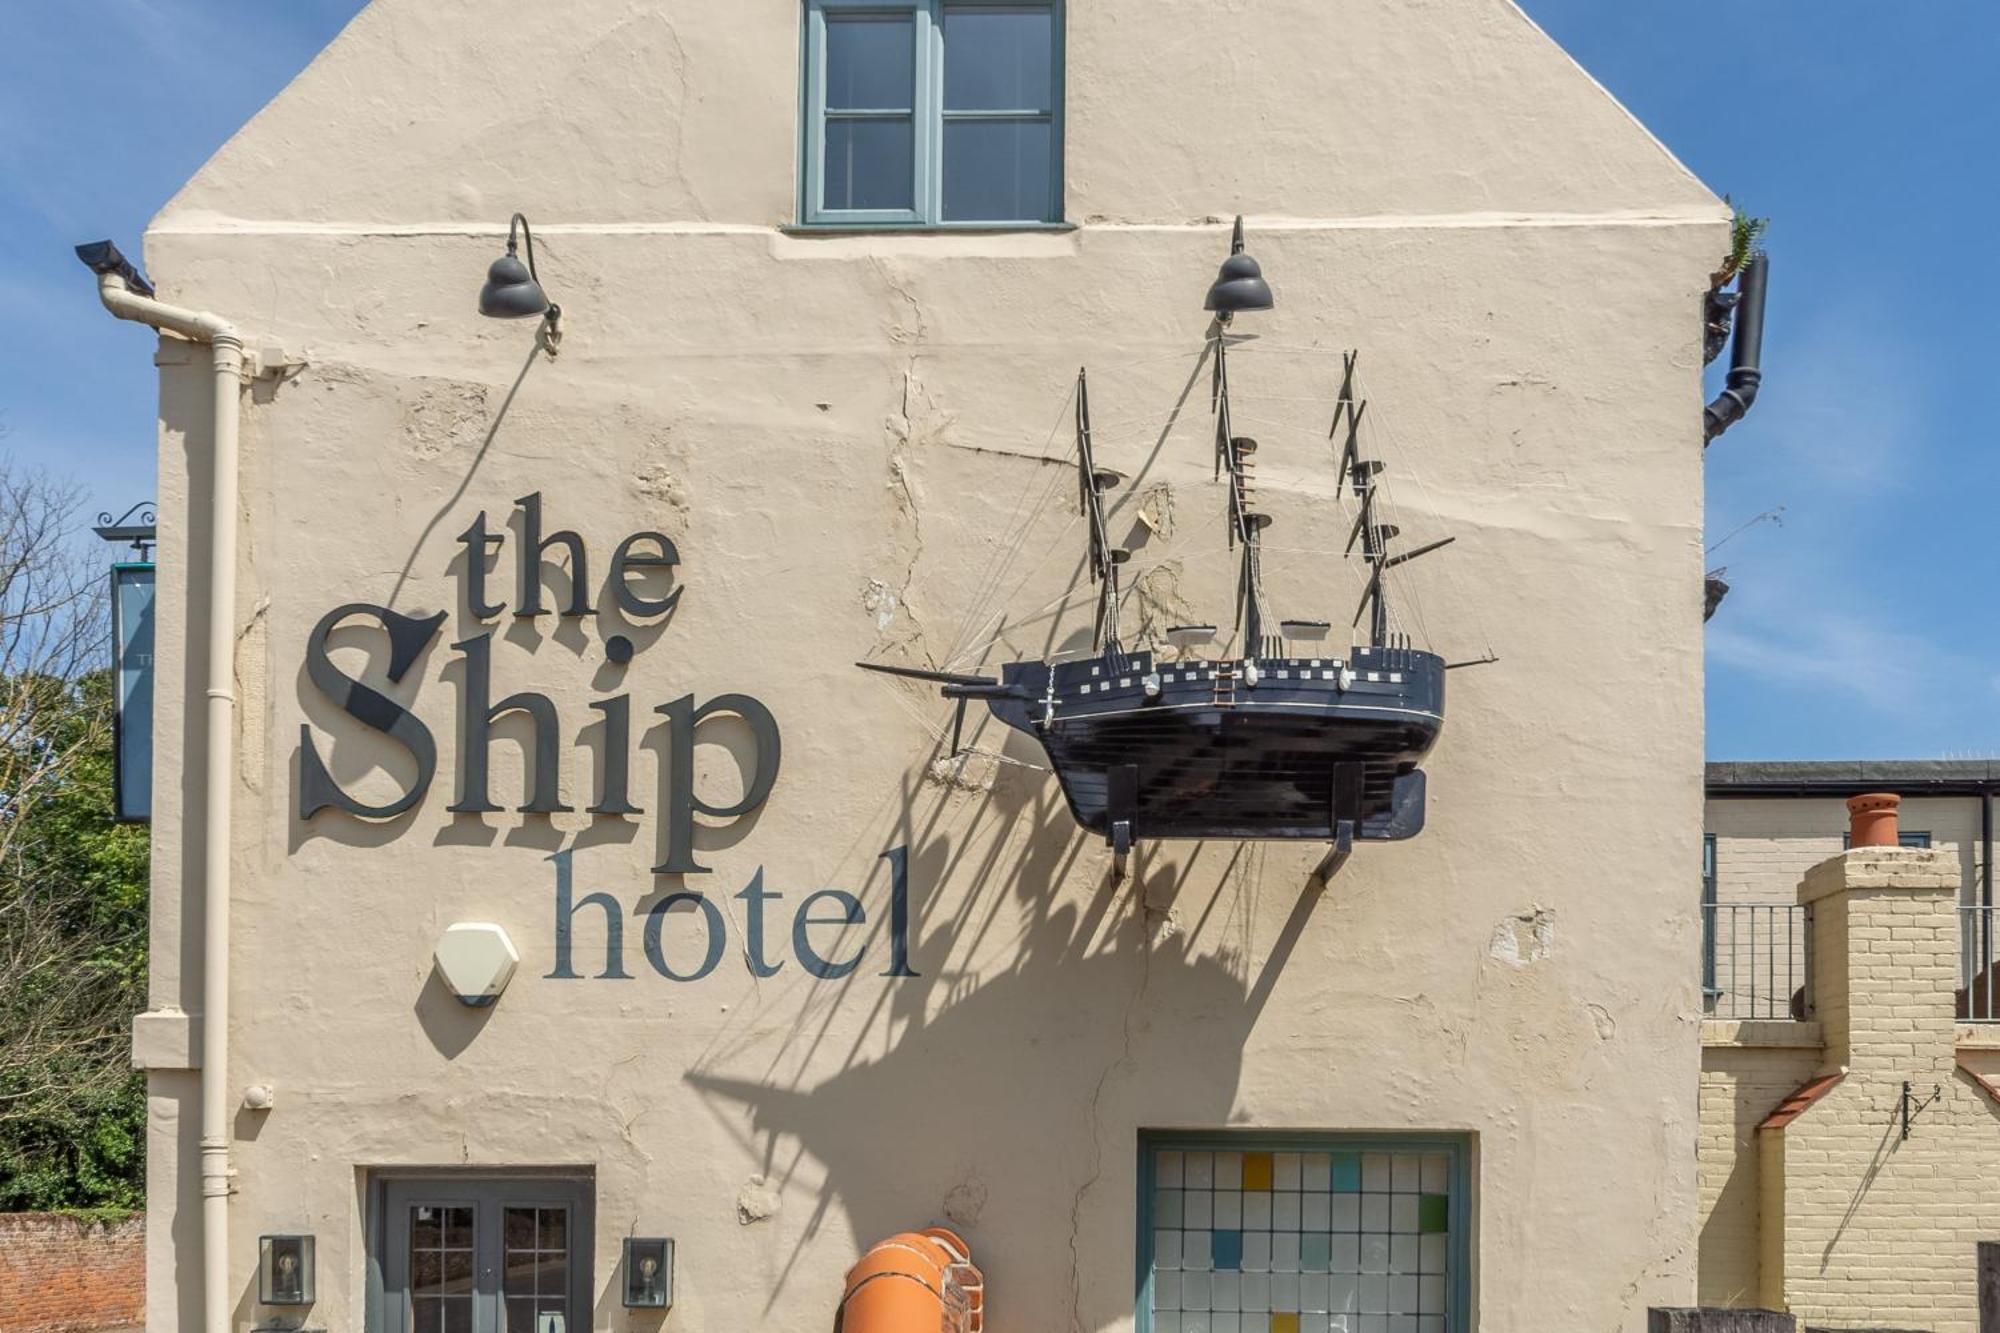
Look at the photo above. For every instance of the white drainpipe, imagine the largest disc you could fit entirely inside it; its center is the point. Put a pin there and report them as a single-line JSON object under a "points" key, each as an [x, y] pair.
{"points": [[218, 771]]}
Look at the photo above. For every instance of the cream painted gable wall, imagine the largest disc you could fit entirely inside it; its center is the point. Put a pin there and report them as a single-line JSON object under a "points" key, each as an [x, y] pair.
{"points": [[427, 111], [859, 444]]}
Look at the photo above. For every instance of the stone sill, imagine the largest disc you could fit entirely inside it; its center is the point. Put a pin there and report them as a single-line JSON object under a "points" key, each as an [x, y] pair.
{"points": [[1979, 1036], [1762, 1032]]}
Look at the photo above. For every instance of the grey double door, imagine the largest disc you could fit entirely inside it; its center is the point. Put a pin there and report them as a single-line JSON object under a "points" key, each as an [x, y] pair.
{"points": [[483, 1254]]}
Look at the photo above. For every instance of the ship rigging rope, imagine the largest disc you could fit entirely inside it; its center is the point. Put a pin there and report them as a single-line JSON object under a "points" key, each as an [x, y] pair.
{"points": [[1020, 525], [1382, 431], [1003, 578]]}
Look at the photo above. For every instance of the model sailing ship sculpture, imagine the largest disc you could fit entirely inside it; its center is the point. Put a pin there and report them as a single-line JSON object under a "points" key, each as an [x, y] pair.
{"points": [[1273, 744]]}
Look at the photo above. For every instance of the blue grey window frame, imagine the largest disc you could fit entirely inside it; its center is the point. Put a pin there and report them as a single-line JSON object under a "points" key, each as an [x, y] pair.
{"points": [[1916, 838], [1458, 1147], [928, 117]]}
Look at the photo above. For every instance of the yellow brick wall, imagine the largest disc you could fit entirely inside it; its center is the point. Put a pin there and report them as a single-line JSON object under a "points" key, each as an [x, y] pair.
{"points": [[1876, 1230], [1740, 1085], [1882, 1232]]}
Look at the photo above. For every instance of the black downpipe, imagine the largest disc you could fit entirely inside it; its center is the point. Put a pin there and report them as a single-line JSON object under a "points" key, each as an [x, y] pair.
{"points": [[1746, 357]]}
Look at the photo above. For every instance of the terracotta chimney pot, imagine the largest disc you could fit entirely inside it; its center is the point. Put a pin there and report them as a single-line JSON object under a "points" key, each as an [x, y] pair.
{"points": [[1871, 820]]}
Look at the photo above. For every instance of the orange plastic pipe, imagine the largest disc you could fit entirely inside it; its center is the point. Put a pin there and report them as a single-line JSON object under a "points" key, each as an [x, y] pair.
{"points": [[914, 1282]]}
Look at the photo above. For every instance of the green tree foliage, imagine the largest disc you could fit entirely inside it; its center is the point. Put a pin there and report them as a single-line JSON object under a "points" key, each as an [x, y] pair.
{"points": [[72, 880]]}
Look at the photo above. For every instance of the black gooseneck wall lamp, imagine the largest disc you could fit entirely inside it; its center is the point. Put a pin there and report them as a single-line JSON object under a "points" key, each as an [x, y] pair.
{"points": [[1240, 284], [513, 290]]}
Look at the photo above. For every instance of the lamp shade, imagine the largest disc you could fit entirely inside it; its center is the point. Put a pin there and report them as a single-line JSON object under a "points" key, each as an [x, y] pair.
{"points": [[511, 291], [1240, 284]]}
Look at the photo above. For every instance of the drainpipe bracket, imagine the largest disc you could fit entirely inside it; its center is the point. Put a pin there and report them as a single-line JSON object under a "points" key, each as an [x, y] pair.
{"points": [[261, 361], [271, 361]]}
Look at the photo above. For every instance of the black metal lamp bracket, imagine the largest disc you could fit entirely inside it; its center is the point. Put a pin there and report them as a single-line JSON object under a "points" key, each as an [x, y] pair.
{"points": [[1912, 1108]]}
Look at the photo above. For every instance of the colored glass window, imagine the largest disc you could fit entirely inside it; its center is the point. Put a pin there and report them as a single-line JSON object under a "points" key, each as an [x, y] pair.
{"points": [[1321, 1239]]}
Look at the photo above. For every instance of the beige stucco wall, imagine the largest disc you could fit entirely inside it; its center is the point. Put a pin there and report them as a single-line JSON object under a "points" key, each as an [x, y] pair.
{"points": [[840, 434]]}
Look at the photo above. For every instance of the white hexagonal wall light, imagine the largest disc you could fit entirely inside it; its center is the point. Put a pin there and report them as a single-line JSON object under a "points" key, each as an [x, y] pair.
{"points": [[476, 960]]}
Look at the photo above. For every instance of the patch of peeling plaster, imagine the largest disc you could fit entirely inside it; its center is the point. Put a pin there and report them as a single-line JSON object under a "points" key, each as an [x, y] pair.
{"points": [[880, 600], [756, 1202], [1527, 938], [966, 1202]]}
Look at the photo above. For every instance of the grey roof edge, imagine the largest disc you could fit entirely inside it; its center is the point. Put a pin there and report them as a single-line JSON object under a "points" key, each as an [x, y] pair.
{"points": [[1853, 776]]}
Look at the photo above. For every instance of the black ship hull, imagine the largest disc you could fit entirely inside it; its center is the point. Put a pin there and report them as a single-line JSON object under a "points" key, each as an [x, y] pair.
{"points": [[1280, 748]]}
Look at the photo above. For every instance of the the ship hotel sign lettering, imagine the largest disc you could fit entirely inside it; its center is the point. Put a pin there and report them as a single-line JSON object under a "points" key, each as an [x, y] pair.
{"points": [[642, 584]]}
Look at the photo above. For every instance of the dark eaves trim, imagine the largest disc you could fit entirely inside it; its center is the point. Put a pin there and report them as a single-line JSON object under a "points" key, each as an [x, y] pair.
{"points": [[1850, 777]]}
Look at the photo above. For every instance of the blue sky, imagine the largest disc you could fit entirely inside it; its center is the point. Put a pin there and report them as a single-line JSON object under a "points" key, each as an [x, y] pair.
{"points": [[1860, 627]]}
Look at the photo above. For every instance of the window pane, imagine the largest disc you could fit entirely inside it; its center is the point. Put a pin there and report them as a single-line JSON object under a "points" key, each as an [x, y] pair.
{"points": [[458, 1228], [1295, 1264], [870, 63], [998, 60], [869, 163], [996, 171]]}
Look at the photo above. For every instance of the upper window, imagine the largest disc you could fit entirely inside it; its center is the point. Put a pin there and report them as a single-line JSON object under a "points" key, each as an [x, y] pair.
{"points": [[933, 112]]}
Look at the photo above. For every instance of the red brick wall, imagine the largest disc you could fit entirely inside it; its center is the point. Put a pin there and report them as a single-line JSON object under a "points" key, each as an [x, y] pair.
{"points": [[62, 1275]]}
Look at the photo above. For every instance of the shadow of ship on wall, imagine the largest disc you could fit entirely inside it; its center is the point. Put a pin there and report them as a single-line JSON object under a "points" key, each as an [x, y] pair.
{"points": [[1007, 1101]]}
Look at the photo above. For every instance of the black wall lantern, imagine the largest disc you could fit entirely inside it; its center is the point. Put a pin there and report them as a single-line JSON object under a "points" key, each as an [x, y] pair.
{"points": [[1240, 284], [285, 1270], [649, 1272], [513, 290]]}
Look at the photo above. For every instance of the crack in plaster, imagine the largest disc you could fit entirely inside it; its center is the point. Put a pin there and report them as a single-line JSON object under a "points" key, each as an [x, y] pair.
{"points": [[1095, 1120]]}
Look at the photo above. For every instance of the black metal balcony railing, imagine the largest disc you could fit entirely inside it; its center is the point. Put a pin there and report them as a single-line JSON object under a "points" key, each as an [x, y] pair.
{"points": [[1756, 960], [1977, 1001]]}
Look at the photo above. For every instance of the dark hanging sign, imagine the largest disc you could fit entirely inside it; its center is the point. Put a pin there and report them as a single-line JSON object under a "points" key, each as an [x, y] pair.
{"points": [[132, 689]]}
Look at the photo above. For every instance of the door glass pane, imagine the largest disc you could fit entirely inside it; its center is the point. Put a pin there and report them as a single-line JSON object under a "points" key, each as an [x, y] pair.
{"points": [[441, 1268], [996, 170], [870, 63], [869, 163], [998, 60], [534, 1264]]}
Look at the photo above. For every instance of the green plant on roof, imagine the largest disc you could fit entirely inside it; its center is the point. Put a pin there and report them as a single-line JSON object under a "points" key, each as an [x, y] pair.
{"points": [[1746, 242]]}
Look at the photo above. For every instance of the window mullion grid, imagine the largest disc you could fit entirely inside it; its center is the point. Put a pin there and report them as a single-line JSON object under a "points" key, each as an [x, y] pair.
{"points": [[930, 121]]}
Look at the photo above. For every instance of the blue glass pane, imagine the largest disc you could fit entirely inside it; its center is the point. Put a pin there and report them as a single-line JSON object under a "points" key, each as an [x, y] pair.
{"points": [[869, 163], [997, 171], [870, 63], [998, 60]]}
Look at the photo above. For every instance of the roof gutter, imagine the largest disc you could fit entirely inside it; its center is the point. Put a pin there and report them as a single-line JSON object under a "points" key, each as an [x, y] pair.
{"points": [[115, 288]]}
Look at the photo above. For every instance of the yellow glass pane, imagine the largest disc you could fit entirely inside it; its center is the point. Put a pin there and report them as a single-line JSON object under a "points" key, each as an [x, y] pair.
{"points": [[1257, 1171], [1284, 1323]]}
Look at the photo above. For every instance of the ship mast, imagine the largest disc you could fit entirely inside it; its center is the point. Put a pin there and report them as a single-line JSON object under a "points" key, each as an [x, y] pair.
{"points": [[1363, 474], [1092, 481], [1236, 455]]}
